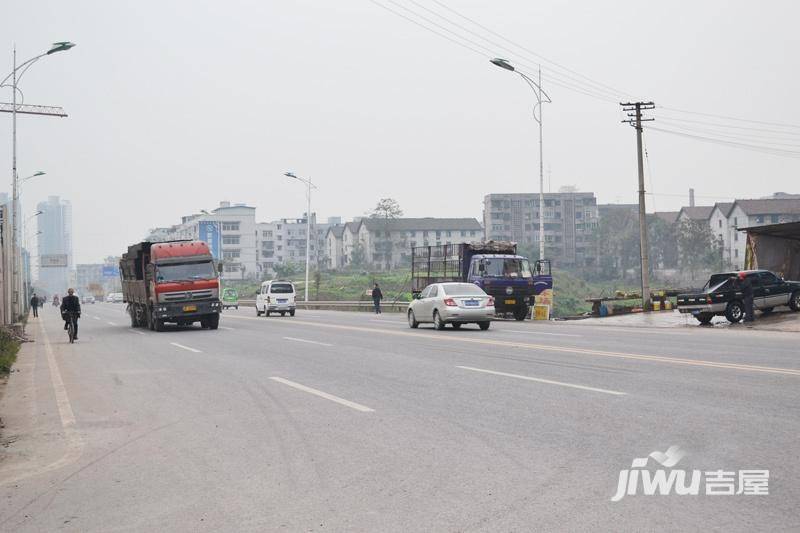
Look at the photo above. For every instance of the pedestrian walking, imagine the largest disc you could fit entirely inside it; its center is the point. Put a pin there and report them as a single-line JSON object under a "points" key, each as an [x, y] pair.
{"points": [[746, 286], [377, 296], [35, 305]]}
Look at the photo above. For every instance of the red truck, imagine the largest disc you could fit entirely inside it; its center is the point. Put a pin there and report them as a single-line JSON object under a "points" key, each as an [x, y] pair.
{"points": [[170, 282]]}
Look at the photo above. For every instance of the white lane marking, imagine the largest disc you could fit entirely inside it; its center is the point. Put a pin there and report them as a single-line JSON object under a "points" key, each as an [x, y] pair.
{"points": [[74, 442], [111, 324], [226, 327], [137, 332], [540, 380], [185, 347], [331, 397], [535, 332], [308, 341]]}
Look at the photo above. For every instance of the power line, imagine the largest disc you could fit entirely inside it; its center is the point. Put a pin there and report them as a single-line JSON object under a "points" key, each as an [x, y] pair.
{"points": [[765, 140], [598, 89], [746, 146], [487, 52], [730, 126], [528, 50], [779, 124]]}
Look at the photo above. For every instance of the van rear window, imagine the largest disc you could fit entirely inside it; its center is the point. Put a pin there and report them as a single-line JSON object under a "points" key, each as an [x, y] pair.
{"points": [[281, 288]]}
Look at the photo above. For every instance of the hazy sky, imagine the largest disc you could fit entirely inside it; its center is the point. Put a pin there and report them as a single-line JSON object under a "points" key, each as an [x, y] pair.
{"points": [[175, 105]]}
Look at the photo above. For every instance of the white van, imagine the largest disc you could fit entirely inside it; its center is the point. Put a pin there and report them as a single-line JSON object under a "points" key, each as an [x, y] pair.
{"points": [[276, 296]]}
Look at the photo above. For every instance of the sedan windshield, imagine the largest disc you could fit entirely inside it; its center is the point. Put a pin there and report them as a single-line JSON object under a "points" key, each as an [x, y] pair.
{"points": [[186, 272], [463, 289]]}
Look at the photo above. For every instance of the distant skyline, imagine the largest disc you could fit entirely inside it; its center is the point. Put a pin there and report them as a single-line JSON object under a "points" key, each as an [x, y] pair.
{"points": [[175, 106]]}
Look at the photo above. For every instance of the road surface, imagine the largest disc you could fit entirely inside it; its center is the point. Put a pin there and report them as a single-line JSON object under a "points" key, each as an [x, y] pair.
{"points": [[334, 421]]}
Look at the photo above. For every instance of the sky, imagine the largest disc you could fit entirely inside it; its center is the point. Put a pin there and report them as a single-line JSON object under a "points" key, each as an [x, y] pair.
{"points": [[175, 105]]}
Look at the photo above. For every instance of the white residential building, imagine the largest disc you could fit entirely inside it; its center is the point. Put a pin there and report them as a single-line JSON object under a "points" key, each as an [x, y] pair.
{"points": [[749, 213]]}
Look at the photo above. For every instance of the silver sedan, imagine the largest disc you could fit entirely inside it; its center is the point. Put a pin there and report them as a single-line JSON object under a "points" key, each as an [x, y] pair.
{"points": [[451, 303]]}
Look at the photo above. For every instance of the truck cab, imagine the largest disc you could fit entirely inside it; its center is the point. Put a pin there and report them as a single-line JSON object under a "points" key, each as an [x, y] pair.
{"points": [[510, 279]]}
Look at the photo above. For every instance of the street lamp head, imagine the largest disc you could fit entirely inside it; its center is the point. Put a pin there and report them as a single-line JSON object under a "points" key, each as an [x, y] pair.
{"points": [[289, 174], [39, 173], [60, 47], [502, 63]]}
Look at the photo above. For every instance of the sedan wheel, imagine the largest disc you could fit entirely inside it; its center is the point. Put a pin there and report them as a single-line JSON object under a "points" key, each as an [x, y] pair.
{"points": [[412, 320], [438, 323]]}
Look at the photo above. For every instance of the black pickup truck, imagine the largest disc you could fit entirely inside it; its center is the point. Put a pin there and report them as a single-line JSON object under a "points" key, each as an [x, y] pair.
{"points": [[722, 296]]}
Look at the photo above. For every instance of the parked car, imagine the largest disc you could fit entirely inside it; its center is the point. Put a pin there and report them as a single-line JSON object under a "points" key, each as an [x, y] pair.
{"points": [[721, 295], [109, 297], [230, 298], [276, 296], [451, 303], [115, 298], [88, 299]]}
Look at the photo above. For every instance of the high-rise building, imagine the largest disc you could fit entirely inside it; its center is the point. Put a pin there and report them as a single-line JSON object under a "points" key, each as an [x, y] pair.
{"points": [[54, 245], [570, 224]]}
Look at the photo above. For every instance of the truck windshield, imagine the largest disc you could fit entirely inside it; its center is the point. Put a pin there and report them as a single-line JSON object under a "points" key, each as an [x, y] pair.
{"points": [[185, 272], [506, 268]]}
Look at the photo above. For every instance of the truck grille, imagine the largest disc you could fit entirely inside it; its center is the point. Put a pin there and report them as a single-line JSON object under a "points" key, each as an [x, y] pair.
{"points": [[203, 294]]}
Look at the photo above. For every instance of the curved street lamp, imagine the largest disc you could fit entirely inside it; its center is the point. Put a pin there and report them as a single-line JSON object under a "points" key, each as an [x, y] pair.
{"points": [[15, 75], [540, 99], [309, 186]]}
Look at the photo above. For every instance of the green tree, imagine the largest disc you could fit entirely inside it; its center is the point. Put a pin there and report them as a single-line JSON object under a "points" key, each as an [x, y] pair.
{"points": [[698, 247], [357, 257], [618, 234], [286, 270], [663, 240], [385, 211]]}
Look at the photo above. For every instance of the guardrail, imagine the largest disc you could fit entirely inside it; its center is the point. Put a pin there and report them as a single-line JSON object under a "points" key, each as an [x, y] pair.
{"points": [[338, 305]]}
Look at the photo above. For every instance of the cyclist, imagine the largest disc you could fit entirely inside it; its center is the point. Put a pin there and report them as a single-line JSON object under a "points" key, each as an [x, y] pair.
{"points": [[55, 300], [71, 310]]}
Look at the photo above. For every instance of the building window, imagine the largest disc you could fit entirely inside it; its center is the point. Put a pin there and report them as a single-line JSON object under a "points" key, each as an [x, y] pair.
{"points": [[230, 239], [775, 219], [720, 223], [230, 226], [759, 219], [231, 254], [267, 234]]}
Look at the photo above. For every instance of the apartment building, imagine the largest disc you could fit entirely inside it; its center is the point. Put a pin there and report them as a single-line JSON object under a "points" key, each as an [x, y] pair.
{"points": [[570, 224], [387, 243]]}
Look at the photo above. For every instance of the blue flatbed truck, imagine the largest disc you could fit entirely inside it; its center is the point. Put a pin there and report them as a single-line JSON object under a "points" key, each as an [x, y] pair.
{"points": [[494, 266]]}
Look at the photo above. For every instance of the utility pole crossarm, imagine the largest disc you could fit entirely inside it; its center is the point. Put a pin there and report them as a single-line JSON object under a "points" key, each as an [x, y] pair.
{"points": [[24, 109]]}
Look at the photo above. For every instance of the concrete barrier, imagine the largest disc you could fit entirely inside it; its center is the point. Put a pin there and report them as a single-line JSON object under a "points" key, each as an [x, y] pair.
{"points": [[334, 305]]}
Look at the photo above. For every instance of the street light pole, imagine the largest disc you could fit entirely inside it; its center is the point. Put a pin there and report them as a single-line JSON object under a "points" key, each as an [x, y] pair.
{"points": [[537, 90], [309, 186], [16, 304]]}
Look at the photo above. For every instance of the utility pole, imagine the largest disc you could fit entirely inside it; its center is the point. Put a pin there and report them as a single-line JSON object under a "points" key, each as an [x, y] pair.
{"points": [[634, 111]]}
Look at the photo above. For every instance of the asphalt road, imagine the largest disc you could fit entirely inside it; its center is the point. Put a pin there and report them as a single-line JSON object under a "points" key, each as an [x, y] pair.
{"points": [[334, 421]]}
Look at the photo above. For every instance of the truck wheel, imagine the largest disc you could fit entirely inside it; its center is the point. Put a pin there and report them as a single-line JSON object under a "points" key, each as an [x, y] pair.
{"points": [[734, 312], [132, 312], [291, 313], [438, 323], [794, 301], [704, 318], [520, 313], [258, 313], [484, 325], [148, 317], [158, 324], [213, 322], [412, 320], [266, 313]]}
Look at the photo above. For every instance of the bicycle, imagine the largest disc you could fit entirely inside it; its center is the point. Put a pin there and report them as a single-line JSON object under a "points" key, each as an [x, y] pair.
{"points": [[72, 317]]}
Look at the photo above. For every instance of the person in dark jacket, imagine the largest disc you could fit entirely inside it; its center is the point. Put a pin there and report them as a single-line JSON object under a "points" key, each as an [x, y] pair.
{"points": [[746, 286], [35, 305], [377, 296], [71, 307]]}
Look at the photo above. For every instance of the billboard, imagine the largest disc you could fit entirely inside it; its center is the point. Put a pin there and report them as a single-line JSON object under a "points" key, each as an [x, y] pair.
{"points": [[209, 232], [53, 260], [110, 271]]}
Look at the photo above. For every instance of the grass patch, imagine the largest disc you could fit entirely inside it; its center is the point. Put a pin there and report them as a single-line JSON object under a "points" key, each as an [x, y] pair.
{"points": [[8, 352], [570, 290]]}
